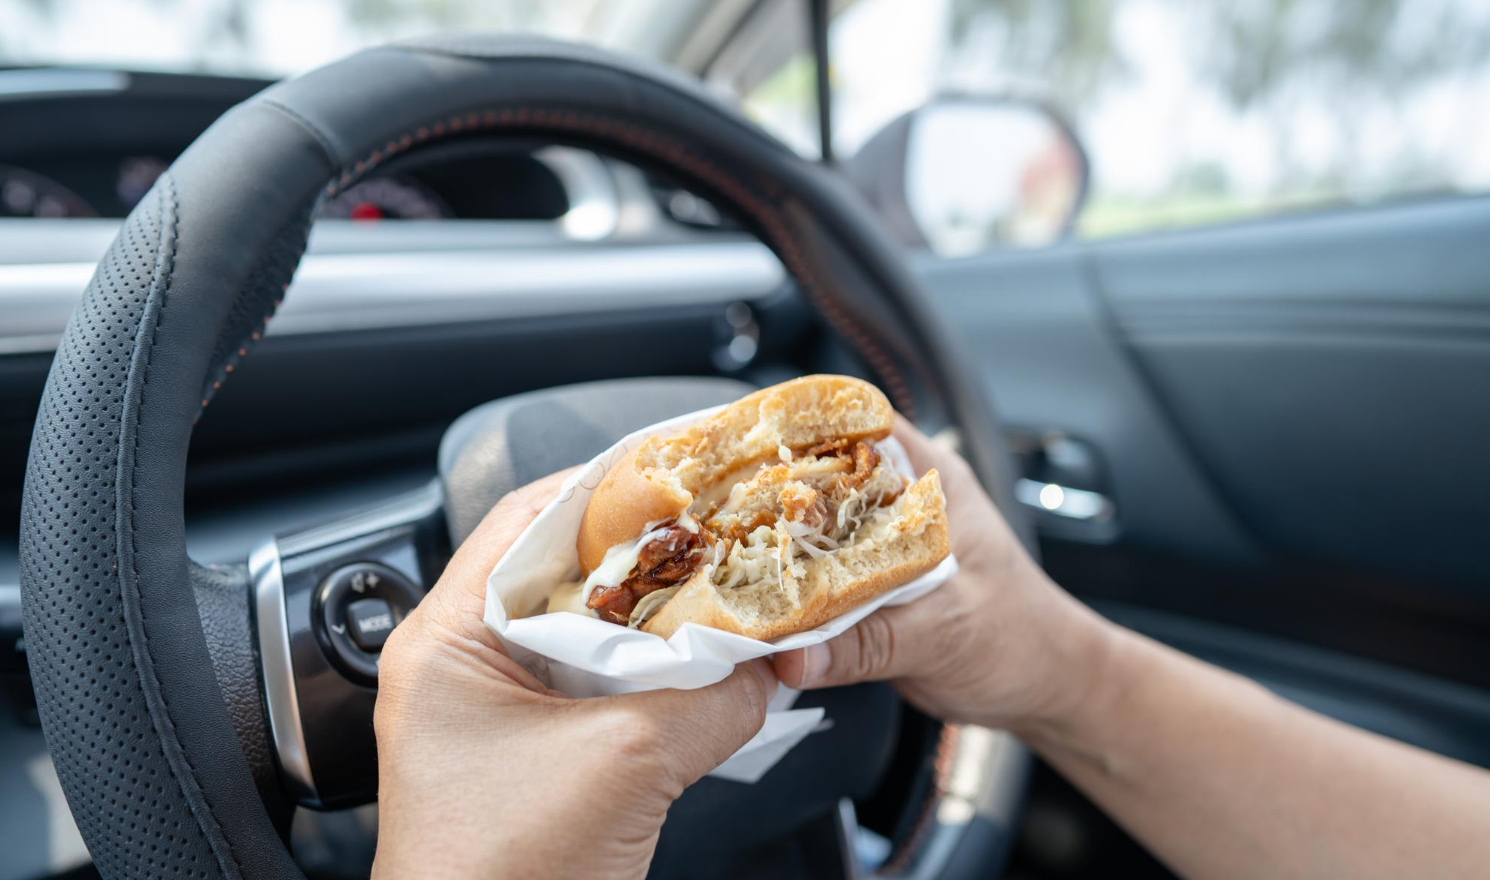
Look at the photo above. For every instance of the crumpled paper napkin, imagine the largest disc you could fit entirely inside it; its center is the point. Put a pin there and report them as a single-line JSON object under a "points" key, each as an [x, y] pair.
{"points": [[586, 657]]}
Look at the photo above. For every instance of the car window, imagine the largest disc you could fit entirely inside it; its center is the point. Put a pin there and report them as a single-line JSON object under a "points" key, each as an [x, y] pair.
{"points": [[1193, 112]]}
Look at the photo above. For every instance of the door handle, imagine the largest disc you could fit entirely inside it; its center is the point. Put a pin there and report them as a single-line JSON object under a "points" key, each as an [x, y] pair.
{"points": [[1063, 483], [1065, 501]]}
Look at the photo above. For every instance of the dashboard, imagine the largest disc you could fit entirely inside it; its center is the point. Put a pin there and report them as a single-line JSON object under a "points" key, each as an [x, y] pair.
{"points": [[80, 148]]}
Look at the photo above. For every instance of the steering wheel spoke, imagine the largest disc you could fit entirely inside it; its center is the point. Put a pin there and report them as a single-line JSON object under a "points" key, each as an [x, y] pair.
{"points": [[324, 600]]}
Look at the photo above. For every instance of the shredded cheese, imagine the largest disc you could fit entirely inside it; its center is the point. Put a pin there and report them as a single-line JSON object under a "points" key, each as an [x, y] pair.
{"points": [[749, 561], [649, 605]]}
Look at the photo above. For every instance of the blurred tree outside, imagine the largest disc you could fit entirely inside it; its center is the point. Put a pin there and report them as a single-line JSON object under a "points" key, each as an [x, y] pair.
{"points": [[1346, 66], [1193, 110]]}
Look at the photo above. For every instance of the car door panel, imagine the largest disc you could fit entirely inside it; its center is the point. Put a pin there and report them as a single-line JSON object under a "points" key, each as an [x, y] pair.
{"points": [[1332, 374], [1038, 335], [1290, 413]]}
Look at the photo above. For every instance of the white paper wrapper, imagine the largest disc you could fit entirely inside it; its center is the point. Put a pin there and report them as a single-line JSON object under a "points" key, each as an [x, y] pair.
{"points": [[586, 657]]}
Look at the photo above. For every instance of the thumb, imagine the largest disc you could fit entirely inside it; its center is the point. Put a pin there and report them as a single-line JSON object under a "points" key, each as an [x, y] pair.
{"points": [[460, 594], [456, 601], [927, 453], [700, 728], [874, 650]]}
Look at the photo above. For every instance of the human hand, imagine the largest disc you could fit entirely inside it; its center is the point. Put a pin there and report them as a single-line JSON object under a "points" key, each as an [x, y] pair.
{"points": [[998, 645], [483, 772]]}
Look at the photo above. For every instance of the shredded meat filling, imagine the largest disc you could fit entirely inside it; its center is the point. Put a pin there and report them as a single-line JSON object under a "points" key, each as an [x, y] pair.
{"points": [[860, 453], [737, 530], [829, 447], [666, 560], [865, 460]]}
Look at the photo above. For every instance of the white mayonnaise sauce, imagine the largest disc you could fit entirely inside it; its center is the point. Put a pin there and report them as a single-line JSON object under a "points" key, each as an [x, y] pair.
{"points": [[617, 564]]}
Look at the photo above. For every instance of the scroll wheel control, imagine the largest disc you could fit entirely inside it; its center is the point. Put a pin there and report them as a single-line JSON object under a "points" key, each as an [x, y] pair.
{"points": [[356, 607], [369, 621]]}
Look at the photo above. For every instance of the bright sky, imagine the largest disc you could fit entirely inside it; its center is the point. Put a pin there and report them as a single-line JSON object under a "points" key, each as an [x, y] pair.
{"points": [[285, 36]]}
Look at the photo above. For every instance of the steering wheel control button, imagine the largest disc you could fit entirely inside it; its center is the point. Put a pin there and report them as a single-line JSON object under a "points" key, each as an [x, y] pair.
{"points": [[356, 607], [369, 621]]}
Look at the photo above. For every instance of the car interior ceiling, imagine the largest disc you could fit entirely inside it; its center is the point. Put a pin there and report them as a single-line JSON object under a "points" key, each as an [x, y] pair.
{"points": [[1144, 370]]}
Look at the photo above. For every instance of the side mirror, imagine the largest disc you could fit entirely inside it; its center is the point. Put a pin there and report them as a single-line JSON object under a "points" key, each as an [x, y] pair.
{"points": [[963, 174]]}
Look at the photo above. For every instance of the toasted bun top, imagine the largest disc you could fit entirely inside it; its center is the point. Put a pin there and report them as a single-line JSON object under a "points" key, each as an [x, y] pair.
{"points": [[659, 479], [622, 505]]}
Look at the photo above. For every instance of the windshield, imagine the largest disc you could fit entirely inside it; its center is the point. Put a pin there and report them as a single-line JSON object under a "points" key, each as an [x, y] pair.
{"points": [[282, 37]]}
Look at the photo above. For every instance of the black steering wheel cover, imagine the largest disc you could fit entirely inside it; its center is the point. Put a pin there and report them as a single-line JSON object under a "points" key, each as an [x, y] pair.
{"points": [[143, 742]]}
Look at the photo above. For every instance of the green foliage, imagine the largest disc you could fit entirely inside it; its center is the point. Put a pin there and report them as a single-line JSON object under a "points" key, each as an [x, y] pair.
{"points": [[1267, 59], [794, 84], [1067, 44], [444, 14], [1253, 50]]}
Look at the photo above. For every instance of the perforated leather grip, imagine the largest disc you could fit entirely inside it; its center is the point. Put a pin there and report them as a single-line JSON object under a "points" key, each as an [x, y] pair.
{"points": [[137, 724]]}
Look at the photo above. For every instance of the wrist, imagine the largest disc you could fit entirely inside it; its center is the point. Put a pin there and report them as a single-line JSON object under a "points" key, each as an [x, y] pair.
{"points": [[522, 828], [598, 811], [1085, 672]]}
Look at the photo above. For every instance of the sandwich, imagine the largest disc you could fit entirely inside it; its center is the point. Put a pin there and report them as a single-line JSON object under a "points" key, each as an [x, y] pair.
{"points": [[770, 517]]}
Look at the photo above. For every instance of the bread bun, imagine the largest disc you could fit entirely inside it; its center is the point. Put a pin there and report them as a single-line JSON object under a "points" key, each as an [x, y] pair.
{"points": [[620, 508], [661, 477], [770, 517]]}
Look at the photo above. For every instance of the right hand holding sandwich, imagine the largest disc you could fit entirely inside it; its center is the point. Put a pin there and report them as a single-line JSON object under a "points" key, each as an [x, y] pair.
{"points": [[998, 645]]}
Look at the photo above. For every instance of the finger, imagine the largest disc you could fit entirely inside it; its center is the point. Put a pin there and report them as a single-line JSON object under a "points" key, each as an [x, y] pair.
{"points": [[925, 453], [914, 442], [932, 452], [470, 565], [701, 728], [879, 647], [455, 604]]}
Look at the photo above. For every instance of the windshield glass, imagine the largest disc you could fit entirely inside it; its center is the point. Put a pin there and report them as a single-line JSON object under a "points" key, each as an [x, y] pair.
{"points": [[282, 37]]}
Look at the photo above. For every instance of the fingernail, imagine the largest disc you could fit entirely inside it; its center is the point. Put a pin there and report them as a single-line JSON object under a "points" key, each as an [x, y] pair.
{"points": [[814, 664]]}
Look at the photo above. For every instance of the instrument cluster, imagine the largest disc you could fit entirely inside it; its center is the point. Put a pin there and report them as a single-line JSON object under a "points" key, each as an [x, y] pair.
{"points": [[500, 186]]}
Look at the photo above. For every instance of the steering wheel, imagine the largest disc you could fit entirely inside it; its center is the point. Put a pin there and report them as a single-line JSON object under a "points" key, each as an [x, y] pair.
{"points": [[188, 708]]}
